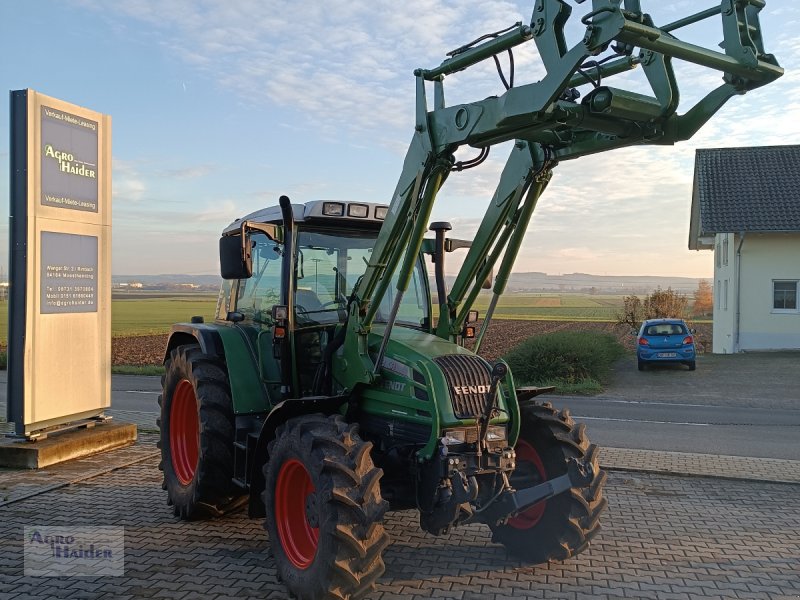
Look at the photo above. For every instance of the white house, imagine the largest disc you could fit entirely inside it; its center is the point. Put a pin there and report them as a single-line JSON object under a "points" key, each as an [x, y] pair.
{"points": [[746, 208]]}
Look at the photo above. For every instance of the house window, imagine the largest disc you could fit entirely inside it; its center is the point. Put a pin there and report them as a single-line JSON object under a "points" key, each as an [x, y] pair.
{"points": [[726, 294], [784, 296], [725, 251]]}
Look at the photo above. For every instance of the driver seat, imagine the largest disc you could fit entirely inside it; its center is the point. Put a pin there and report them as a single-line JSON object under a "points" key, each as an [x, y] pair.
{"points": [[307, 299]]}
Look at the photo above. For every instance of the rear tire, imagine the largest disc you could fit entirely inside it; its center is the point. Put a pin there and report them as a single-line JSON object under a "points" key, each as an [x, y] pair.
{"points": [[640, 364], [692, 365], [197, 435], [324, 509], [562, 526]]}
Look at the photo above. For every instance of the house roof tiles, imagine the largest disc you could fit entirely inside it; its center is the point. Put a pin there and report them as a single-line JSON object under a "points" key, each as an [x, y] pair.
{"points": [[747, 189]]}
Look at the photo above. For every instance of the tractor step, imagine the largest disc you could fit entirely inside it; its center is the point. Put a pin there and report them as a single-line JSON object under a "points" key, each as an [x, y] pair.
{"points": [[242, 456]]}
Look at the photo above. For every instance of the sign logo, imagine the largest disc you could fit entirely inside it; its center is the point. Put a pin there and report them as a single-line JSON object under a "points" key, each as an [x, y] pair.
{"points": [[69, 161], [54, 551], [68, 164], [462, 390]]}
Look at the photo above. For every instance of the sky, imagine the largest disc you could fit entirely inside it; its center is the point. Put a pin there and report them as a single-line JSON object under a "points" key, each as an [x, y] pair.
{"points": [[221, 106]]}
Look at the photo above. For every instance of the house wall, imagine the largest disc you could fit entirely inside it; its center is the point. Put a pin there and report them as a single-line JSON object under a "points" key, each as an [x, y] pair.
{"points": [[765, 258], [724, 293]]}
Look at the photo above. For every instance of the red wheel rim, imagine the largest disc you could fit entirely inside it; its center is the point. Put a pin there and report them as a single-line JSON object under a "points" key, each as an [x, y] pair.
{"points": [[530, 517], [184, 432], [298, 538]]}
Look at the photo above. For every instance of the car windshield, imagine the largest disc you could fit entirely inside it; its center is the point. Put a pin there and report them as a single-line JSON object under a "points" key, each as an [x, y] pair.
{"points": [[665, 329], [329, 264]]}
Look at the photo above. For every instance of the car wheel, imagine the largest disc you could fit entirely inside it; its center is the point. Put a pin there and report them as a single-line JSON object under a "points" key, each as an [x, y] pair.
{"points": [[692, 365], [640, 364]]}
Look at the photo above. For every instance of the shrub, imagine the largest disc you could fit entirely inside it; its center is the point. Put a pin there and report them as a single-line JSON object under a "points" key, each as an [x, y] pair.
{"points": [[658, 305], [570, 357]]}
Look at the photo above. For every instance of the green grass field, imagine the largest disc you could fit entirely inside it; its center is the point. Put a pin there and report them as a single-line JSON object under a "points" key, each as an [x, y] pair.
{"points": [[143, 315], [554, 307]]}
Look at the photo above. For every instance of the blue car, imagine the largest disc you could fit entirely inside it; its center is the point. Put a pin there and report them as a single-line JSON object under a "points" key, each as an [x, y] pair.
{"points": [[665, 341]]}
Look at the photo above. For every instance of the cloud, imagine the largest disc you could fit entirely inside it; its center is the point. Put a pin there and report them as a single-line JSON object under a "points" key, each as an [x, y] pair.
{"points": [[341, 71], [216, 213], [128, 185], [193, 172], [338, 63]]}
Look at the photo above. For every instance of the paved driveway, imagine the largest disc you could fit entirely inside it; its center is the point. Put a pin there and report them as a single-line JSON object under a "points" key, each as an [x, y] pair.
{"points": [[736, 405], [763, 380], [663, 537]]}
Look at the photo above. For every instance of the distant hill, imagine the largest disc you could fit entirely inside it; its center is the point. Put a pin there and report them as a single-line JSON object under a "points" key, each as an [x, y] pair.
{"points": [[597, 284], [518, 282], [584, 282]]}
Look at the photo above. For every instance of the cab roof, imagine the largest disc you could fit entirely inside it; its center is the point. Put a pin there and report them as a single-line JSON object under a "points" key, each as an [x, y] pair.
{"points": [[313, 211]]}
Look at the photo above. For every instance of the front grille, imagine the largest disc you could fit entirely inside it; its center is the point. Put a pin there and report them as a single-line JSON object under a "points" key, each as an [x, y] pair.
{"points": [[469, 379]]}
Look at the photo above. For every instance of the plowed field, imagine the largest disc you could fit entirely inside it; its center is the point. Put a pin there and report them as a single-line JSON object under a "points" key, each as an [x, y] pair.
{"points": [[503, 335]]}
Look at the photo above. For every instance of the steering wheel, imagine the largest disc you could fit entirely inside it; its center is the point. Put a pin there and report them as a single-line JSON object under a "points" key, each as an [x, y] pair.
{"points": [[341, 301]]}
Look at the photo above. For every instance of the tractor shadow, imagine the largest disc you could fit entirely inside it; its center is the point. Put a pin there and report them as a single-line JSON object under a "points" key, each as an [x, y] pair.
{"points": [[416, 556]]}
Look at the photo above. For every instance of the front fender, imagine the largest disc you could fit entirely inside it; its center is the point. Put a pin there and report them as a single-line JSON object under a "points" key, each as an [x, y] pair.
{"points": [[283, 411], [206, 335], [229, 346]]}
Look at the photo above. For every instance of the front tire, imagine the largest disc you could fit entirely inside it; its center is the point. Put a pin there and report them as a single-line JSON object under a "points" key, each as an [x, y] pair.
{"points": [[562, 526], [324, 509], [197, 435]]}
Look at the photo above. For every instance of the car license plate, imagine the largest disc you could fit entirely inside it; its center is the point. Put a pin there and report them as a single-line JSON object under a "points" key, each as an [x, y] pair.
{"points": [[667, 355]]}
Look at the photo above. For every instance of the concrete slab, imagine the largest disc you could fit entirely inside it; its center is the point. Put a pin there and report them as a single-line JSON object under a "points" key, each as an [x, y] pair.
{"points": [[67, 445]]}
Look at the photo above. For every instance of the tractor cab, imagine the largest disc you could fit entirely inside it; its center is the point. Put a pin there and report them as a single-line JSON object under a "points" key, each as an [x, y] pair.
{"points": [[288, 280]]}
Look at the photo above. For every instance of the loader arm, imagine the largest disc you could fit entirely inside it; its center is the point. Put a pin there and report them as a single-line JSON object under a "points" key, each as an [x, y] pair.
{"points": [[549, 124]]}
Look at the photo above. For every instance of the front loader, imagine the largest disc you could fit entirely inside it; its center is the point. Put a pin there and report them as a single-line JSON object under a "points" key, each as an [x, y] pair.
{"points": [[331, 388]]}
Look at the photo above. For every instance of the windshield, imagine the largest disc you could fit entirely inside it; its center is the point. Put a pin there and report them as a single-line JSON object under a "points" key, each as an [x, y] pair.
{"points": [[329, 265]]}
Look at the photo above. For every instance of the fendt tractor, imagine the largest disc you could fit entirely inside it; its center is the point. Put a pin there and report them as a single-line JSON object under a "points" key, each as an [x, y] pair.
{"points": [[331, 388]]}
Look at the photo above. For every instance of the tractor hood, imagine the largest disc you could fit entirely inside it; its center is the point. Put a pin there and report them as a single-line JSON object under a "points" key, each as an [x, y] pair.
{"points": [[412, 344], [423, 375]]}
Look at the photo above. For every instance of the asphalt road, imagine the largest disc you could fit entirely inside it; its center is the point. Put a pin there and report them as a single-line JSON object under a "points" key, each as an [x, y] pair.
{"points": [[736, 405], [702, 428]]}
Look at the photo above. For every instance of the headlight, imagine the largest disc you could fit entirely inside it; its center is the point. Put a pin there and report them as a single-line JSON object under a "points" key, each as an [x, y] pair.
{"points": [[333, 209], [454, 436], [496, 433], [358, 210]]}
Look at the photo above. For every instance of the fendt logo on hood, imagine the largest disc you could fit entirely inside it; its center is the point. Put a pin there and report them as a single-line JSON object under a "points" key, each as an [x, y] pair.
{"points": [[68, 164], [461, 390]]}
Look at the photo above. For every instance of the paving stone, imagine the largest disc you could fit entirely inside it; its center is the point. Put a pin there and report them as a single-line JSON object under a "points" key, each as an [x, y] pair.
{"points": [[663, 537]]}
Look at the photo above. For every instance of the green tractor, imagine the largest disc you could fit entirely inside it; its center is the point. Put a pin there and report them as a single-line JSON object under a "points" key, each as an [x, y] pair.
{"points": [[331, 387]]}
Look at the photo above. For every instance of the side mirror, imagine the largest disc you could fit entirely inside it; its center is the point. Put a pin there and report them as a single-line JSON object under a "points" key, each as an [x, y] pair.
{"points": [[235, 258]]}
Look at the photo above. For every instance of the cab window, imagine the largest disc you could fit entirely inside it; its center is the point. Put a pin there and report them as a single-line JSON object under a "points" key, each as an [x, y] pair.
{"points": [[329, 264], [260, 292]]}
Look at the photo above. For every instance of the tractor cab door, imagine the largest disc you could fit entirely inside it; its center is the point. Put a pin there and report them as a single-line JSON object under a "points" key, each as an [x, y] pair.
{"points": [[327, 265], [255, 297]]}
